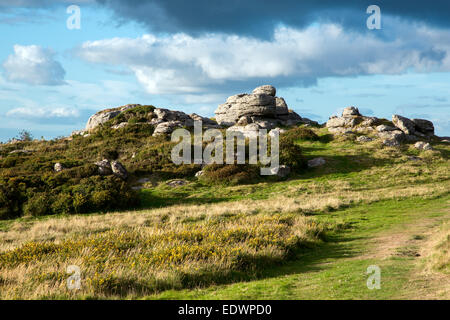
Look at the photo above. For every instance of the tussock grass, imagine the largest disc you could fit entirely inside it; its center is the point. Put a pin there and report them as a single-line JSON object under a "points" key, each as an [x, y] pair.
{"points": [[439, 257], [146, 259]]}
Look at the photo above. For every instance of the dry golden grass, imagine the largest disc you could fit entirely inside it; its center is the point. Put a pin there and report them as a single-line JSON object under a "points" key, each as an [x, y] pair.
{"points": [[141, 260]]}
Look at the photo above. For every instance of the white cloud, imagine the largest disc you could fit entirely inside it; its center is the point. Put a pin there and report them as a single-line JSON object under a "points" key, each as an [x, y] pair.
{"points": [[43, 113], [182, 64], [33, 65]]}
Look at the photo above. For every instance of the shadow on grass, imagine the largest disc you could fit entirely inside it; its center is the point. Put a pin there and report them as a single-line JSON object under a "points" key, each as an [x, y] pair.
{"points": [[336, 165]]}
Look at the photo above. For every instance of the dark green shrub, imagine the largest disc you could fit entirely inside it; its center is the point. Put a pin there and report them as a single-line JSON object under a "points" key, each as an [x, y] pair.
{"points": [[231, 174], [38, 205], [110, 154], [300, 133], [62, 204], [291, 154], [103, 200]]}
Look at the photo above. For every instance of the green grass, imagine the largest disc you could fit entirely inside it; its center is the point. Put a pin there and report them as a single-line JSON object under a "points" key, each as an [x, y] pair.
{"points": [[334, 270]]}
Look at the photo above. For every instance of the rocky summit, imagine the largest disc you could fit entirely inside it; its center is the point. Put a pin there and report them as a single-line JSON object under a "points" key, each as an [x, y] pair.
{"points": [[392, 133], [262, 107]]}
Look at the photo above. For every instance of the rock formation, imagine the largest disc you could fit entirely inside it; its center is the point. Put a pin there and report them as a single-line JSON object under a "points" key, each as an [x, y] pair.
{"points": [[106, 168], [261, 107], [247, 113], [164, 120], [394, 133]]}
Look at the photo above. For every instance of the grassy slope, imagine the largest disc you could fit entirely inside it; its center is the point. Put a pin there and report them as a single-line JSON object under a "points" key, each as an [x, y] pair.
{"points": [[377, 203], [337, 270]]}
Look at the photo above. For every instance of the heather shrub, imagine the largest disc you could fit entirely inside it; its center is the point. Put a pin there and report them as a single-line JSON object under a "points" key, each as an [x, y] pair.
{"points": [[300, 133]]}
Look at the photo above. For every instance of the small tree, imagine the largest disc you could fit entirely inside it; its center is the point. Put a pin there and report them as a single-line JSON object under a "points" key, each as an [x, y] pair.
{"points": [[25, 135]]}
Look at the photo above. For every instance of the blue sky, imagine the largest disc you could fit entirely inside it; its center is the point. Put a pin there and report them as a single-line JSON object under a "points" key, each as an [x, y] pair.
{"points": [[321, 58]]}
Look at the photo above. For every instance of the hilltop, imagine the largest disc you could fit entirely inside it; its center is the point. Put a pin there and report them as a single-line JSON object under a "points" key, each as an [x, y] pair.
{"points": [[359, 191]]}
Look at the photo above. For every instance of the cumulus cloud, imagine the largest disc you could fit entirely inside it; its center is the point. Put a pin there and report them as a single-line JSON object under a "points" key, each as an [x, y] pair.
{"points": [[33, 65], [183, 64]]}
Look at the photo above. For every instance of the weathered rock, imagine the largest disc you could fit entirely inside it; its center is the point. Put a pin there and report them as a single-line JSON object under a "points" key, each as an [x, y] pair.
{"points": [[266, 89], [120, 125], [336, 122], [58, 167], [364, 139], [100, 118], [404, 124], [350, 111], [104, 167], [276, 130], [177, 183], [369, 122], [167, 127], [281, 107], [199, 174], [119, 170], [206, 122], [245, 105], [397, 135], [169, 115], [248, 131], [262, 107], [243, 121], [424, 126], [384, 128], [316, 162], [281, 171], [391, 143], [423, 146]]}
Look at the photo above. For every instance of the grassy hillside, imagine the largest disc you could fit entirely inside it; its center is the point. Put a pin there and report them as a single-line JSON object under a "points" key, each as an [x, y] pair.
{"points": [[310, 236]]}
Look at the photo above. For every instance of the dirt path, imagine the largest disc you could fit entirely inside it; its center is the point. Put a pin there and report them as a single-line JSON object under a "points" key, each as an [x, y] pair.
{"points": [[414, 240]]}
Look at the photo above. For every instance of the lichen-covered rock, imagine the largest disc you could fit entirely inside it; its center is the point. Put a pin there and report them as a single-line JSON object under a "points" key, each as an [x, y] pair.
{"points": [[364, 139], [423, 146], [100, 118], [396, 135], [404, 124], [266, 89], [350, 111], [391, 143], [261, 105], [119, 170], [248, 131], [384, 128], [167, 127], [104, 167]]}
